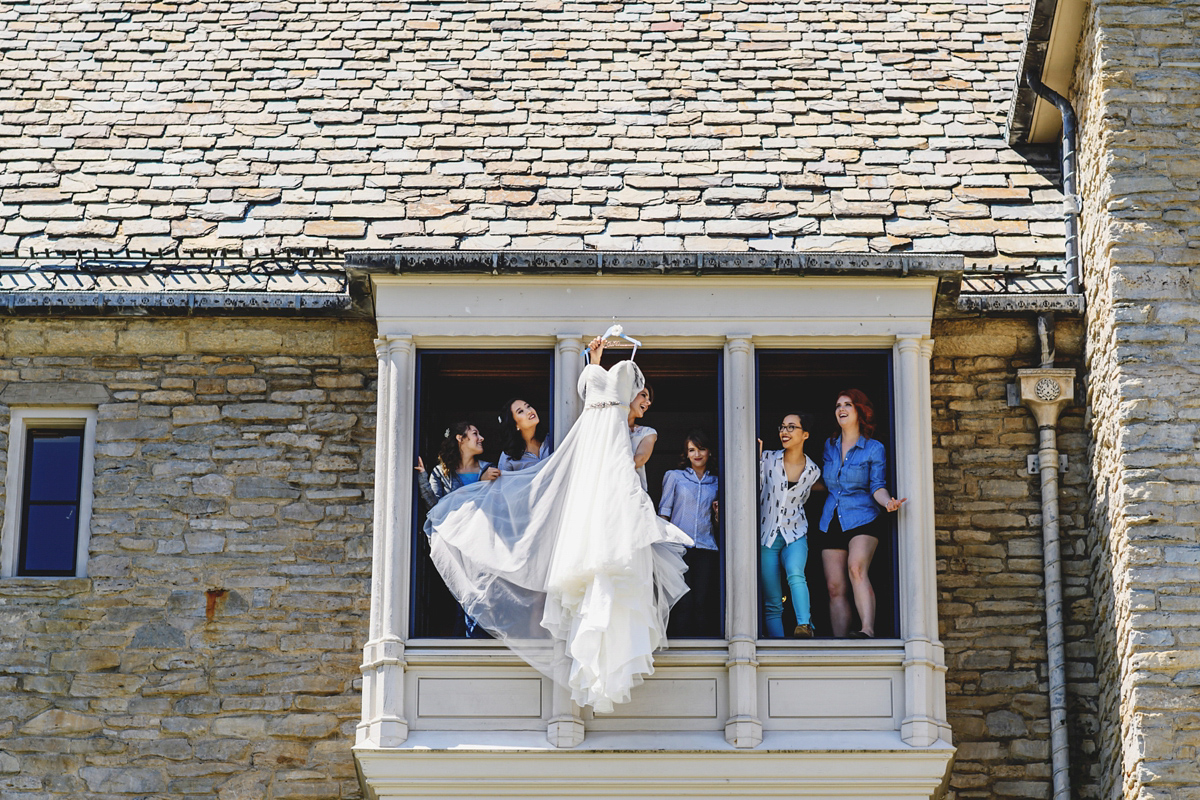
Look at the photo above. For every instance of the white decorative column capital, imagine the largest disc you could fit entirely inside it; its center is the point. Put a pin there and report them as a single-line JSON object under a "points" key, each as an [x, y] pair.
{"points": [[739, 343], [398, 343]]}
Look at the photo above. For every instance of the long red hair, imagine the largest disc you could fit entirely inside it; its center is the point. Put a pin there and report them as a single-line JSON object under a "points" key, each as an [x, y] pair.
{"points": [[866, 413]]}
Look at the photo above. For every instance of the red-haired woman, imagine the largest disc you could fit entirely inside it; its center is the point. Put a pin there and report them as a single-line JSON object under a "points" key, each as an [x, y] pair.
{"points": [[852, 523]]}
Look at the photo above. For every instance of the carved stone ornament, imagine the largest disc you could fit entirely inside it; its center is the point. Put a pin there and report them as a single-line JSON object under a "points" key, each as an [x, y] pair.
{"points": [[1047, 390]]}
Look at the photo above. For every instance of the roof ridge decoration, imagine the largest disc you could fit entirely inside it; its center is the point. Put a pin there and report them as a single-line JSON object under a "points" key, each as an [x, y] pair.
{"points": [[650, 262]]}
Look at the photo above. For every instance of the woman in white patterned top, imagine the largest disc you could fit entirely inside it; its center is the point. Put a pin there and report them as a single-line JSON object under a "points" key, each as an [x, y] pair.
{"points": [[786, 477]]}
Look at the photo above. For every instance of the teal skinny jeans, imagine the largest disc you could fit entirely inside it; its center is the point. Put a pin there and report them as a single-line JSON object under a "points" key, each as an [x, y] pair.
{"points": [[774, 562]]}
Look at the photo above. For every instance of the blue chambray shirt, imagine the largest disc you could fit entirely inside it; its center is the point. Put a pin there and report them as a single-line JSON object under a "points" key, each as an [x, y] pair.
{"points": [[852, 482], [527, 458], [687, 502]]}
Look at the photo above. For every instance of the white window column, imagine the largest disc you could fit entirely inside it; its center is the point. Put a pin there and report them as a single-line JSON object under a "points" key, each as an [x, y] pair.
{"points": [[566, 726], [744, 726], [568, 363], [929, 557], [924, 663], [384, 723]]}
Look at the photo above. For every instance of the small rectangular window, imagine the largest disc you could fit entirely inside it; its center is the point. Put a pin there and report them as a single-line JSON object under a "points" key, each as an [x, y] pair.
{"points": [[48, 492], [50, 507]]}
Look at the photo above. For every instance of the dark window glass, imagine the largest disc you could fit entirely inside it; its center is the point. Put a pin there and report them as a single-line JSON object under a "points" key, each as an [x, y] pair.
{"points": [[791, 381], [465, 386], [50, 511], [687, 396]]}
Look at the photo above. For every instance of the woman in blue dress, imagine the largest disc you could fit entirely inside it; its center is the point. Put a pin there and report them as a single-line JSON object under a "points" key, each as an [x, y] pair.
{"points": [[524, 436]]}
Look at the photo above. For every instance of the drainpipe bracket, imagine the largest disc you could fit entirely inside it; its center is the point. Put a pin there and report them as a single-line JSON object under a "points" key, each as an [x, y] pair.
{"points": [[1033, 464]]}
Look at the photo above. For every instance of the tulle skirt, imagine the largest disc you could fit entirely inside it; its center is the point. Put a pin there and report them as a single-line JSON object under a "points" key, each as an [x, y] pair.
{"points": [[568, 552]]}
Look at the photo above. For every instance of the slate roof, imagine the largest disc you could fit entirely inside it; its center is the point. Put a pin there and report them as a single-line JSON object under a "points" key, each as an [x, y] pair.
{"points": [[254, 127]]}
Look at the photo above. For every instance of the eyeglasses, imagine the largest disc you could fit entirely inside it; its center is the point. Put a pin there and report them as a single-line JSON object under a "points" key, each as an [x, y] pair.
{"points": [[790, 428]]}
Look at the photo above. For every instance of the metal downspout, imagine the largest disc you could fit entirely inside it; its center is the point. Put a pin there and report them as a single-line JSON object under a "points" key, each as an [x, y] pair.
{"points": [[1045, 392], [1071, 204]]}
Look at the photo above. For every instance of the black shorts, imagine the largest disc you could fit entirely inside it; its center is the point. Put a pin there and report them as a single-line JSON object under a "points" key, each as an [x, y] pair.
{"points": [[837, 539]]}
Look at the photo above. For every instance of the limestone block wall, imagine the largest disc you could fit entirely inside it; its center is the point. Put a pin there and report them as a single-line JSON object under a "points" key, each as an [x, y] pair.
{"points": [[213, 650], [657, 125], [1138, 98], [991, 603]]}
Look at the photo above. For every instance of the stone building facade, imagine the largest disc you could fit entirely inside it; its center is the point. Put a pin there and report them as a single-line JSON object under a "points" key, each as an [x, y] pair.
{"points": [[1136, 94], [213, 650]]}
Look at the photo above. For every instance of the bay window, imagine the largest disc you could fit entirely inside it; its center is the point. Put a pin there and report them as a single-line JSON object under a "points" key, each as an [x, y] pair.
{"points": [[728, 353]]}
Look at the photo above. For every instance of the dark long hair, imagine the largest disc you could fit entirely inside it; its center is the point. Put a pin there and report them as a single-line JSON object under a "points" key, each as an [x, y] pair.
{"points": [[866, 413], [512, 443], [449, 456], [700, 439]]}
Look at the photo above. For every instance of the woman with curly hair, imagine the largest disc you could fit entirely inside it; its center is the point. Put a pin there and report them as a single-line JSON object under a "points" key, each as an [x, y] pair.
{"points": [[458, 464]]}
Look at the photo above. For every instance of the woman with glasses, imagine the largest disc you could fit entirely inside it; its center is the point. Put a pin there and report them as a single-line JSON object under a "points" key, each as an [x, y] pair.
{"points": [[786, 477], [851, 522]]}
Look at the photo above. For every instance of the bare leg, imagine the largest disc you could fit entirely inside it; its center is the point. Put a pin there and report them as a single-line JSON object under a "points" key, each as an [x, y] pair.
{"points": [[862, 550], [835, 582]]}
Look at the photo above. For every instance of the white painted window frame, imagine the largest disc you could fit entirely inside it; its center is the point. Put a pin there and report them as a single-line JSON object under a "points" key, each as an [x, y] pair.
{"points": [[21, 419], [737, 314]]}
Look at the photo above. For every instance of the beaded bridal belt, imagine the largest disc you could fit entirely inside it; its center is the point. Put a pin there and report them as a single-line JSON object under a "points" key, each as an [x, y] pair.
{"points": [[609, 404]]}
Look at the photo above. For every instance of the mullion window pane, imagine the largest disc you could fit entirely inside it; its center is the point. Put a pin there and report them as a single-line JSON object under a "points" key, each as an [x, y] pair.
{"points": [[54, 466], [50, 518], [50, 545]]}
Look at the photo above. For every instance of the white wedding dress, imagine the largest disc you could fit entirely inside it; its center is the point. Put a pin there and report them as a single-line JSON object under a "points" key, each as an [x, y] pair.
{"points": [[567, 562]]}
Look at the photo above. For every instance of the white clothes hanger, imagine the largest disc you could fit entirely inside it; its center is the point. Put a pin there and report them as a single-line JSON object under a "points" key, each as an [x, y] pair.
{"points": [[619, 332]]}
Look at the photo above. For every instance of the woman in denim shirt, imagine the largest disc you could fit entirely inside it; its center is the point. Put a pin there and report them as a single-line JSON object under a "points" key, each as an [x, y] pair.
{"points": [[689, 501], [851, 522]]}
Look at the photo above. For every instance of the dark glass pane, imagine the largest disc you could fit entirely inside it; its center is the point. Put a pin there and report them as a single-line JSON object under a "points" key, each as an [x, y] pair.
{"points": [[54, 466], [50, 539]]}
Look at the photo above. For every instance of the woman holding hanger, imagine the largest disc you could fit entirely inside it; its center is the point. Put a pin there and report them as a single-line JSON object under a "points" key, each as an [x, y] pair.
{"points": [[570, 551]]}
